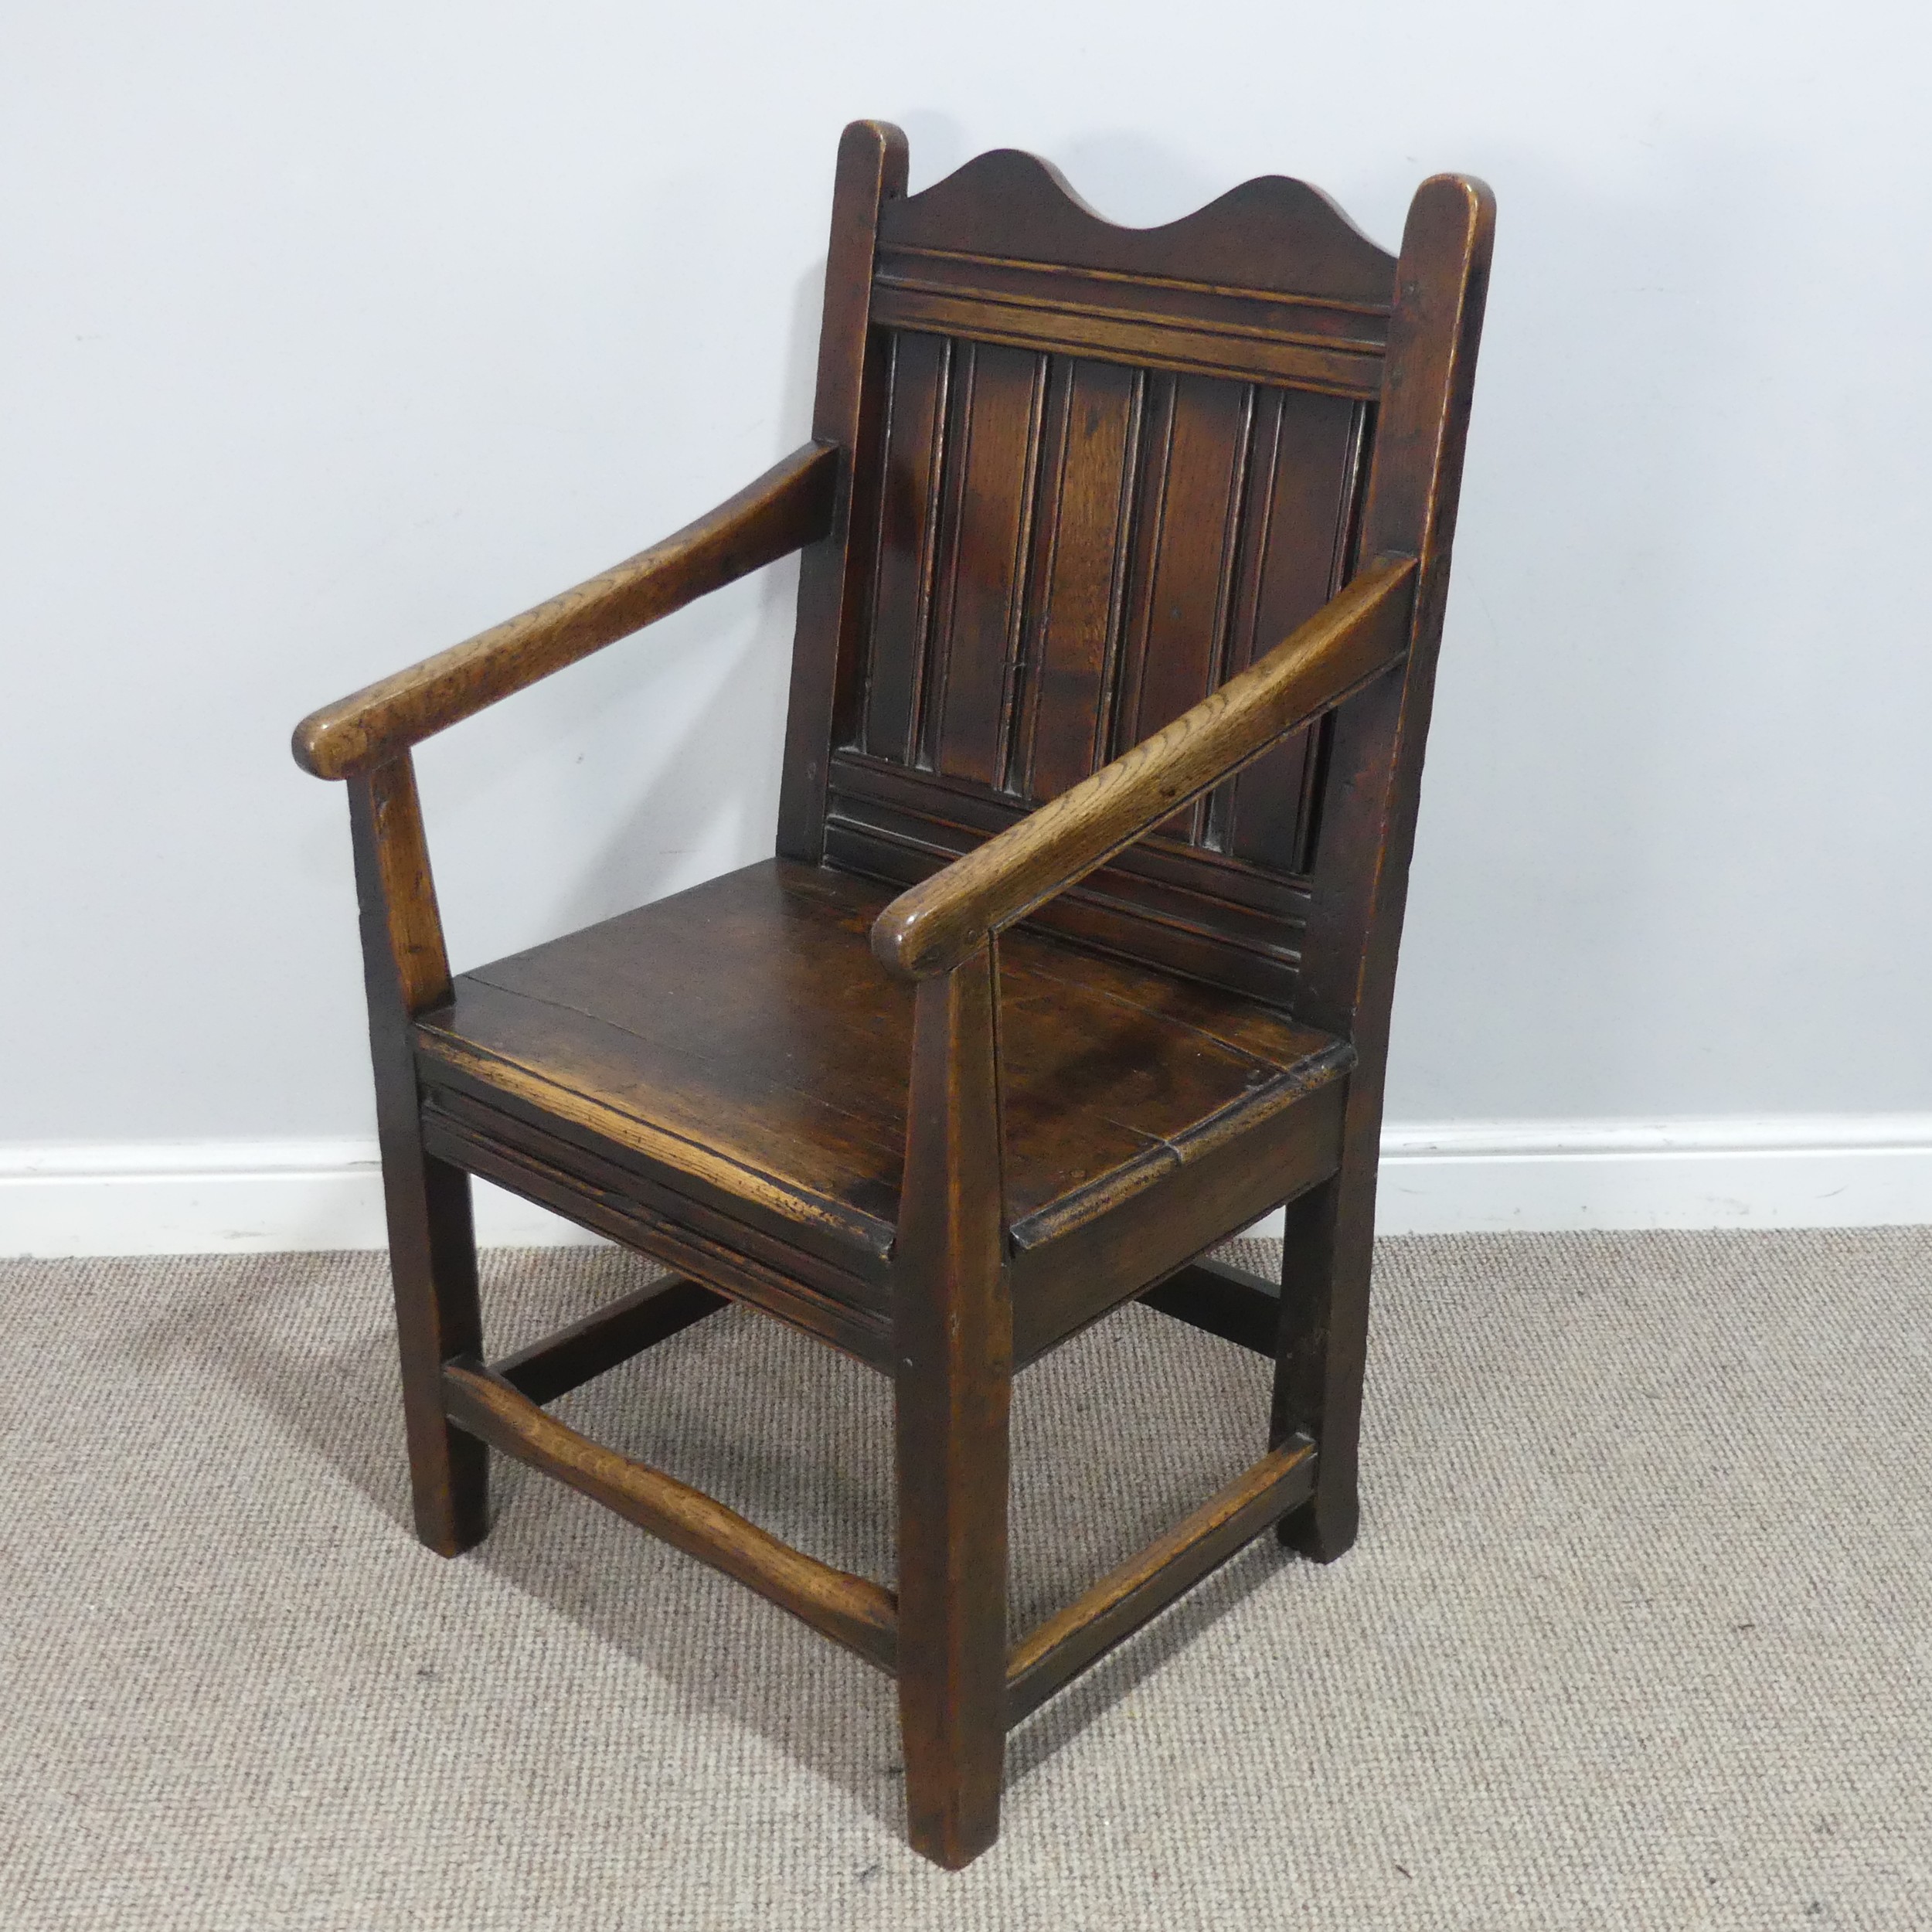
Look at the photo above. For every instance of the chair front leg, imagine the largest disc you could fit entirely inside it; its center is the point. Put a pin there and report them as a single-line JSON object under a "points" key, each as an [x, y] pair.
{"points": [[953, 1337], [432, 1239]]}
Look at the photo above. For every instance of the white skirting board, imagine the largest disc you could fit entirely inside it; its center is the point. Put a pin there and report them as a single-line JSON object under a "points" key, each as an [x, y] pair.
{"points": [[1785, 1170]]}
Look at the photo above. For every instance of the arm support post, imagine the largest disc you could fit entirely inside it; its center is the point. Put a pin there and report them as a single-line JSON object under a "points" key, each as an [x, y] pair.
{"points": [[952, 1337]]}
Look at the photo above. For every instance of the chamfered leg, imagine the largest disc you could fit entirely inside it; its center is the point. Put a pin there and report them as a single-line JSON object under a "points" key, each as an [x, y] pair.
{"points": [[1326, 1257], [953, 1332]]}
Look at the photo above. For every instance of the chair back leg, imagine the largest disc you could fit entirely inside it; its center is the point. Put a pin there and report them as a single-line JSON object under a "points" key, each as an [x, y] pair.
{"points": [[1326, 1258]]}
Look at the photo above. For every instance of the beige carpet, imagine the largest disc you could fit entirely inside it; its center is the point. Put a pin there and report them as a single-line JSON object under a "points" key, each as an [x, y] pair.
{"points": [[1639, 1633]]}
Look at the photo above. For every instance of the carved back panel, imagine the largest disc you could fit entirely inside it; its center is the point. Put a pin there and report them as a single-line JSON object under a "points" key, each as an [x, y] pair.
{"points": [[1098, 471]]}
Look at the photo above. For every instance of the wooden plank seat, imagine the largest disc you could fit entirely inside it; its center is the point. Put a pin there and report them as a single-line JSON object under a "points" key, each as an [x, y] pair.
{"points": [[736, 1049], [1123, 554]]}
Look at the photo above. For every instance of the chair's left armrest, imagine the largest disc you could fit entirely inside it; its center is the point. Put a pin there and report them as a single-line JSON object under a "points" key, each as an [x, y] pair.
{"points": [[935, 925], [788, 507]]}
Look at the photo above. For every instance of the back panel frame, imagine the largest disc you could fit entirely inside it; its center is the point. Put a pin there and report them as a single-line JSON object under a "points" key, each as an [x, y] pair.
{"points": [[1095, 472]]}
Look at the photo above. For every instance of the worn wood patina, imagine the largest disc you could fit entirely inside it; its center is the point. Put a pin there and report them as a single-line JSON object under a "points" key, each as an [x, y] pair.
{"points": [[1123, 560]]}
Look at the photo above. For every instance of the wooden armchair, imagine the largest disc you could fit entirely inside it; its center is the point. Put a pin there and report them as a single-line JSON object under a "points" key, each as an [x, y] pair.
{"points": [[1124, 558]]}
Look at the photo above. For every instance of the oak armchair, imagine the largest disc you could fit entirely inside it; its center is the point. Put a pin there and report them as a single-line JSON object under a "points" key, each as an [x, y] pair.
{"points": [[1124, 559]]}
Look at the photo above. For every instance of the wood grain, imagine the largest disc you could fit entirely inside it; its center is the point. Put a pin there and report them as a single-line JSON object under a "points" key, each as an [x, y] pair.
{"points": [[1072, 619], [1150, 340], [905, 546], [729, 1253], [402, 932], [1176, 909], [1359, 884], [1269, 235], [852, 1610], [1360, 323], [986, 533], [1204, 393], [953, 1329], [1072, 1274], [1075, 492], [848, 413], [1358, 634], [739, 1041], [1296, 550]]}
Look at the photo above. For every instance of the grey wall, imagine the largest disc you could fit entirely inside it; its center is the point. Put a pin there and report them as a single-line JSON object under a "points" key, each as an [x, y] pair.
{"points": [[330, 334]]}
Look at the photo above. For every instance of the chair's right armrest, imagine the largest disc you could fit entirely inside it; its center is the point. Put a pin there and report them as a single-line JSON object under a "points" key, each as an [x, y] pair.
{"points": [[933, 926], [788, 507]]}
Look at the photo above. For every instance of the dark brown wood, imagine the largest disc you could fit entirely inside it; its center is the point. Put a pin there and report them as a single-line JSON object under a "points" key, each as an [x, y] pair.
{"points": [[790, 506], [846, 415], [1277, 244], [1296, 550], [1072, 632], [737, 1043], [1124, 558], [573, 1356], [1131, 529], [1180, 909], [1197, 453], [1140, 1588], [1221, 1299], [1221, 1186], [432, 1244], [929, 929], [1070, 327], [1360, 881], [728, 1254], [1327, 1251], [953, 1328], [852, 1610]]}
